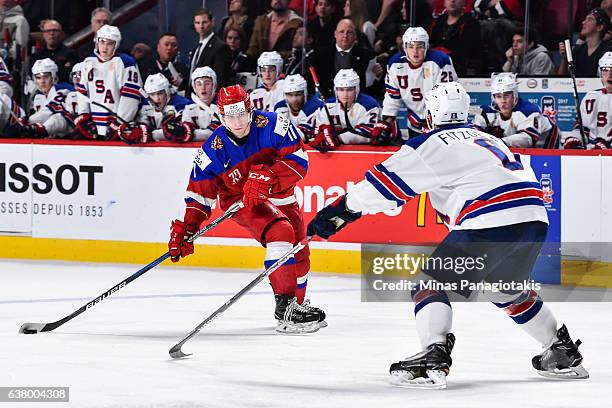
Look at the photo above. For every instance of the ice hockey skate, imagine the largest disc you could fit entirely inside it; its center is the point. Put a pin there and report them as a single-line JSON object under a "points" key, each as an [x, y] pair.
{"points": [[425, 370], [294, 318], [562, 360], [320, 312]]}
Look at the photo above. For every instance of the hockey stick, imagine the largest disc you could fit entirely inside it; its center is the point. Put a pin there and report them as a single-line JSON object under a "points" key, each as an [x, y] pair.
{"points": [[33, 328], [176, 352], [315, 79], [570, 63], [99, 105]]}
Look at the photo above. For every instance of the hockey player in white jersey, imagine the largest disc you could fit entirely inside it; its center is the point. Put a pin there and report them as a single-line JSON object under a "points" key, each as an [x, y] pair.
{"points": [[596, 111], [270, 91], [159, 118], [350, 116], [490, 201], [49, 114], [410, 75], [109, 79], [296, 106], [203, 115], [72, 100], [516, 121]]}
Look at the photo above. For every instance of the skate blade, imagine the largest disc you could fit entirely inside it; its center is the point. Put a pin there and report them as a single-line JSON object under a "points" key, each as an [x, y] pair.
{"points": [[572, 373], [436, 380], [296, 328]]}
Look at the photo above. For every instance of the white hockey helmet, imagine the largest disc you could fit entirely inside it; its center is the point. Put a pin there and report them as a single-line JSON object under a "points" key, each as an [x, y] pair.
{"points": [[504, 82], [346, 78], [447, 103], [272, 58], [156, 83], [77, 70], [202, 72], [415, 34], [605, 61], [45, 65], [109, 32], [294, 83]]}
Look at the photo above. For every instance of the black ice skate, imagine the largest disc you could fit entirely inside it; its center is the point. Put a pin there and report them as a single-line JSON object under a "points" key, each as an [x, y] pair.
{"points": [[294, 318], [562, 359], [320, 312], [427, 369]]}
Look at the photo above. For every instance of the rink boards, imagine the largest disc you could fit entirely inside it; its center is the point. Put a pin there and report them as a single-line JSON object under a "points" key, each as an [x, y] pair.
{"points": [[108, 202]]}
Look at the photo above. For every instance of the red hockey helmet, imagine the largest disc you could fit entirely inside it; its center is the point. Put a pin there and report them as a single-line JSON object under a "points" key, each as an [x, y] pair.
{"points": [[233, 100]]}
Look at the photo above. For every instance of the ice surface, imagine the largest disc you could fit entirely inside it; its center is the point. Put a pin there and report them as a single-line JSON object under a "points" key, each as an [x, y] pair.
{"points": [[116, 354]]}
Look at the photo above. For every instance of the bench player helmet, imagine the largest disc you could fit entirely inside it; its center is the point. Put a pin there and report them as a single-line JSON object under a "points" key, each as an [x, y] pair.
{"points": [[447, 103], [605, 62], [270, 58], [295, 83], [157, 83], [45, 65], [503, 82], [203, 72], [415, 34], [347, 78], [108, 32]]}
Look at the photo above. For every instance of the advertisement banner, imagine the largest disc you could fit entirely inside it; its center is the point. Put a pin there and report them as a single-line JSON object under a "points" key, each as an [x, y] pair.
{"points": [[15, 188]]}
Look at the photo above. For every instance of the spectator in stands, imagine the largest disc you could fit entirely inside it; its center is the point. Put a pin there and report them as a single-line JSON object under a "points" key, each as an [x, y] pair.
{"points": [[344, 54], [457, 34], [141, 53], [274, 31], [240, 61], [323, 26], [499, 20], [391, 13], [238, 18], [302, 38], [211, 50], [357, 11], [166, 62], [64, 57], [11, 15], [532, 60], [100, 16], [587, 55], [606, 5]]}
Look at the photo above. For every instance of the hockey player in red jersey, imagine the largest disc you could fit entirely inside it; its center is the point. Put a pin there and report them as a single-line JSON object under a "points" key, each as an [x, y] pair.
{"points": [[256, 157]]}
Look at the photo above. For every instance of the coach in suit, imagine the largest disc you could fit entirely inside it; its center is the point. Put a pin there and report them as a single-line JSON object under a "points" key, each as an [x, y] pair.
{"points": [[211, 50], [345, 53]]}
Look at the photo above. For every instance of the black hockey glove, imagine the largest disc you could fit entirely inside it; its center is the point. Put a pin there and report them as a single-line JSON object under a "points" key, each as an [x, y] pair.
{"points": [[331, 219]]}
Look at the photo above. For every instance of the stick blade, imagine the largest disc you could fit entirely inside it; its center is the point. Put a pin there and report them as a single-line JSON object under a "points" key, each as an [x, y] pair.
{"points": [[176, 352], [31, 328]]}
